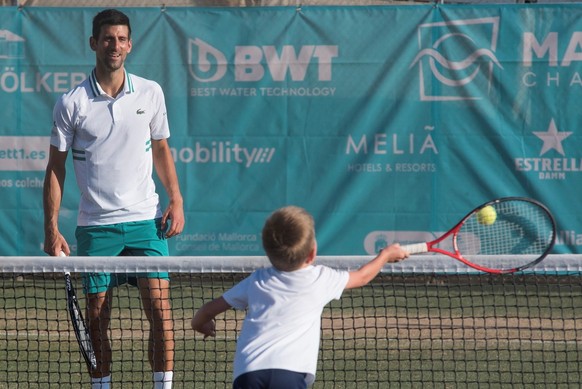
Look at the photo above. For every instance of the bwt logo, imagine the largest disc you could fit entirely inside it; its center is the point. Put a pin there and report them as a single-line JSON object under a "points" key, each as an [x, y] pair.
{"points": [[254, 63], [456, 59]]}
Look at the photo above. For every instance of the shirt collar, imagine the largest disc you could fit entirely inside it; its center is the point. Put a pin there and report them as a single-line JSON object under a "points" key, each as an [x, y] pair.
{"points": [[96, 89]]}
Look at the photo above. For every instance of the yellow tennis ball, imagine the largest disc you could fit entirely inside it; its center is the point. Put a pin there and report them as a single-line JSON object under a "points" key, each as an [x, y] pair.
{"points": [[487, 215]]}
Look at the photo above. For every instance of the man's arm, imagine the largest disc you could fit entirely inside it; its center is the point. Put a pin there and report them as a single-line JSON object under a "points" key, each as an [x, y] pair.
{"points": [[166, 170], [54, 181]]}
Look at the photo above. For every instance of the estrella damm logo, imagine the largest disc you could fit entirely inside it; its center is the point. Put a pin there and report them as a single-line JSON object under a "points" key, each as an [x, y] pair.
{"points": [[456, 59], [555, 160]]}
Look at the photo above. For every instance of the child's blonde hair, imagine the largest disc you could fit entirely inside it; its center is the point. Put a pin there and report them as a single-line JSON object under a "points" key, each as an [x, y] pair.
{"points": [[289, 237]]}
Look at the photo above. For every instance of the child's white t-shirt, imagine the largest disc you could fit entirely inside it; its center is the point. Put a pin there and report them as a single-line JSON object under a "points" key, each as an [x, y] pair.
{"points": [[282, 326]]}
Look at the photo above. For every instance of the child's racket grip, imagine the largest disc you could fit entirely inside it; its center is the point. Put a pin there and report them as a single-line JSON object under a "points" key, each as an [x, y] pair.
{"points": [[416, 248]]}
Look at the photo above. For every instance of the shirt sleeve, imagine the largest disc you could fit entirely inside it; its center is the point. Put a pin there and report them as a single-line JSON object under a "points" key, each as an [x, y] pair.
{"points": [[336, 281], [237, 296], [62, 132], [159, 126]]}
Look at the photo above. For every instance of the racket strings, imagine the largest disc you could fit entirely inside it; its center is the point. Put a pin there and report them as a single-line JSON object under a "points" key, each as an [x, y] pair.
{"points": [[517, 228]]}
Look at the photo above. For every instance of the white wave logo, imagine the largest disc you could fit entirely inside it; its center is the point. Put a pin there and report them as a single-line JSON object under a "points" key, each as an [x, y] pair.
{"points": [[453, 64], [210, 63]]}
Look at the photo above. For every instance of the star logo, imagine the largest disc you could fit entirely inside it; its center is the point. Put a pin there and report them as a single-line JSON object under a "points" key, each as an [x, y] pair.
{"points": [[552, 139]]}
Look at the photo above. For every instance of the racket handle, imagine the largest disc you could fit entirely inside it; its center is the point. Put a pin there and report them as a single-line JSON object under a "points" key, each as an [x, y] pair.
{"points": [[62, 254], [416, 248]]}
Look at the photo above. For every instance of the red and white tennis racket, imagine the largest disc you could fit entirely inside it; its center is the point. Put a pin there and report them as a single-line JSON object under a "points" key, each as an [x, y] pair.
{"points": [[501, 236]]}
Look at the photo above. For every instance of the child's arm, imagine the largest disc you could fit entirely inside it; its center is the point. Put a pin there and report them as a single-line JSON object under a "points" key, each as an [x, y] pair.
{"points": [[203, 320], [367, 272]]}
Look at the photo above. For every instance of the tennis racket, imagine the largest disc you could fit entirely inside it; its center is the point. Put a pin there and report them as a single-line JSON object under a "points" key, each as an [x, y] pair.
{"points": [[501, 236], [79, 326]]}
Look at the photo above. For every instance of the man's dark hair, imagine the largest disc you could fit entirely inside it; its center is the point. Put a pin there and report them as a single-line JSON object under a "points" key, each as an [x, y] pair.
{"points": [[110, 17]]}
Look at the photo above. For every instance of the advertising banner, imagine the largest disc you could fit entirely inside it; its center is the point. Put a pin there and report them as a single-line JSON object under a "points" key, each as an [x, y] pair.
{"points": [[387, 123]]}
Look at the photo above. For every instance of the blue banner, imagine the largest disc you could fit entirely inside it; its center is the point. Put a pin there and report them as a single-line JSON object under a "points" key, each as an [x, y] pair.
{"points": [[388, 123]]}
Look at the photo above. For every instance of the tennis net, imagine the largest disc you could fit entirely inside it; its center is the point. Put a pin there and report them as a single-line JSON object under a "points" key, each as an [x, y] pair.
{"points": [[427, 322]]}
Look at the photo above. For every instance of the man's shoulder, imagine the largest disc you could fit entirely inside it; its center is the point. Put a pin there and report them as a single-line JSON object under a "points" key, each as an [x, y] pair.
{"points": [[140, 82], [81, 91]]}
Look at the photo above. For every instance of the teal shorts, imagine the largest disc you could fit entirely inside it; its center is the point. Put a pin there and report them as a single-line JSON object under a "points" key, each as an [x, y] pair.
{"points": [[142, 238]]}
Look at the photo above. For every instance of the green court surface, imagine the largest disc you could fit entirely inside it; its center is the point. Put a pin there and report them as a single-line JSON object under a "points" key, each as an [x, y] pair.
{"points": [[402, 331]]}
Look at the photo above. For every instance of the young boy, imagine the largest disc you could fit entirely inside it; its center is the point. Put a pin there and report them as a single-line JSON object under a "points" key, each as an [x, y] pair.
{"points": [[279, 341]]}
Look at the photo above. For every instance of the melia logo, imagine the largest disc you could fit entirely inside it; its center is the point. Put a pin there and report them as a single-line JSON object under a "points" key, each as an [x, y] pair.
{"points": [[456, 59]]}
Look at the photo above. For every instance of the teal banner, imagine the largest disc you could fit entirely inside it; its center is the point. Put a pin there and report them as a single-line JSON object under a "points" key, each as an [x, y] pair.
{"points": [[387, 123]]}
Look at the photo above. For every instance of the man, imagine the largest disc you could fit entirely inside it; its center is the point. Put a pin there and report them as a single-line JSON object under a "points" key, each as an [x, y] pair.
{"points": [[115, 125]]}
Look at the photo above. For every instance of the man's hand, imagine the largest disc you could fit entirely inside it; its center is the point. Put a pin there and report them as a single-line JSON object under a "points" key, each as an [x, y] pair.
{"points": [[174, 217]]}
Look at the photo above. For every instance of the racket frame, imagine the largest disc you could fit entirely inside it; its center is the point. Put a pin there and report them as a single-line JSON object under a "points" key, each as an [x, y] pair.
{"points": [[79, 325]]}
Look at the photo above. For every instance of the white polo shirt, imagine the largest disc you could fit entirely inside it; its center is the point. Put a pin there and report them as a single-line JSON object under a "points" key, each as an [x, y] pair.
{"points": [[110, 142], [281, 329]]}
